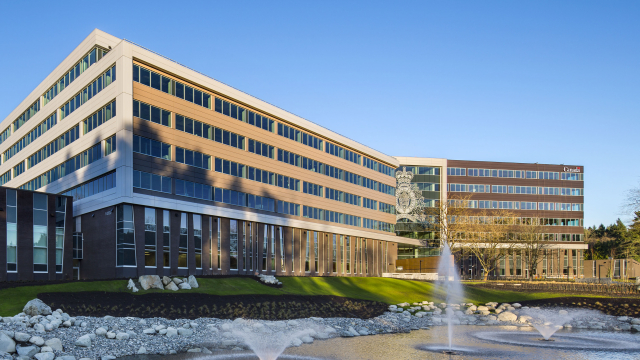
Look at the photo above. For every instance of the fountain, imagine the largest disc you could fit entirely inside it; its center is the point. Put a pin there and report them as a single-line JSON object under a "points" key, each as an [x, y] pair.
{"points": [[547, 322], [449, 282]]}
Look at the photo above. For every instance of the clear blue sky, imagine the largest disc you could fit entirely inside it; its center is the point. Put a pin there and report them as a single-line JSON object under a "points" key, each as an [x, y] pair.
{"points": [[525, 81]]}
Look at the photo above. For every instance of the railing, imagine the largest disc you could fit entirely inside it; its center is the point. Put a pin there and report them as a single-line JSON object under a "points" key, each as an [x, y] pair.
{"points": [[618, 288]]}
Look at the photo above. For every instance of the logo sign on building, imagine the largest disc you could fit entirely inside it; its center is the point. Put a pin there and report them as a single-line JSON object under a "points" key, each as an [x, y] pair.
{"points": [[572, 170]]}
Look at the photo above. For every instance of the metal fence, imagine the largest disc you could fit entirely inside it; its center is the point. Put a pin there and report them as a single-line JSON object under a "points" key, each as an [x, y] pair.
{"points": [[614, 288]]}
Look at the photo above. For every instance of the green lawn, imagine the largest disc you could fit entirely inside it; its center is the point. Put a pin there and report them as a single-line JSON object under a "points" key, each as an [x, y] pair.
{"points": [[391, 291]]}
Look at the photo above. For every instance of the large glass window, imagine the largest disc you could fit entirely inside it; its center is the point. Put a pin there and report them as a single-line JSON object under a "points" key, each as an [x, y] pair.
{"points": [[39, 232], [249, 252], [166, 238], [366, 257], [233, 245], [151, 113], [150, 147], [100, 117], [272, 234], [149, 237], [265, 245], [12, 231], [315, 251], [342, 269], [219, 246], [210, 243], [91, 58], [193, 158], [334, 250], [183, 245], [197, 239], [53, 147], [125, 236], [61, 203], [306, 253], [348, 255], [88, 92], [282, 257]]}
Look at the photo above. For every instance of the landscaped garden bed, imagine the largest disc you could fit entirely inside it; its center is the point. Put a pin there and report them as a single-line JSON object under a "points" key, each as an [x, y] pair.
{"points": [[609, 306], [196, 305]]}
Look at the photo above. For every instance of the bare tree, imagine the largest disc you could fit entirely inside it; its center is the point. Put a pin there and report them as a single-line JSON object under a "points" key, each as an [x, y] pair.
{"points": [[489, 237], [531, 240], [632, 201], [447, 219]]}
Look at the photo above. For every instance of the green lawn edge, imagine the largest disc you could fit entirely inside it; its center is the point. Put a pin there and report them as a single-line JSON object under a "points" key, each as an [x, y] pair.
{"points": [[387, 290]]}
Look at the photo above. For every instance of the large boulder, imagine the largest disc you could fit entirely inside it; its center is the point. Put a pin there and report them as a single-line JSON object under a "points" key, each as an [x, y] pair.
{"points": [[184, 286], [150, 282], [84, 341], [36, 307], [45, 356], [27, 351], [166, 280], [132, 286], [7, 344], [507, 316], [54, 344], [192, 282], [171, 286]]}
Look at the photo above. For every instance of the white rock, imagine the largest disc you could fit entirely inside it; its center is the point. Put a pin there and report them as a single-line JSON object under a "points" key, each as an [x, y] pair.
{"points": [[185, 332], [160, 327], [122, 336], [111, 335], [141, 350], [7, 344], [39, 328], [171, 332], [507, 316], [184, 286], [150, 282], [37, 340], [516, 305], [21, 337], [67, 323], [54, 343], [46, 349], [166, 280], [172, 286], [149, 331], [635, 321], [192, 282], [84, 341], [36, 307], [132, 286], [44, 356], [177, 281], [101, 331], [563, 312]]}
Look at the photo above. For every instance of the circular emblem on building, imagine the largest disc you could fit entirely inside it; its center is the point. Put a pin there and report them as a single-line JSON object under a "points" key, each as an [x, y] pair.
{"points": [[408, 197]]}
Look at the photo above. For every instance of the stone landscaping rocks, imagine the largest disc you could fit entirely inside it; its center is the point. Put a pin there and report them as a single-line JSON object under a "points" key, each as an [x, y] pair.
{"points": [[177, 281], [132, 286], [185, 332], [171, 286], [184, 286], [22, 337], [150, 282], [84, 341], [27, 351], [36, 307], [507, 316], [45, 356], [37, 340], [7, 344], [192, 282], [122, 336], [166, 280]]}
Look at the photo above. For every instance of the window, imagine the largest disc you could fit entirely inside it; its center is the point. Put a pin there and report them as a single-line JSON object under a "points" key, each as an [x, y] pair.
{"points": [[206, 131], [251, 173], [312, 189], [499, 189], [381, 168], [345, 197], [150, 147], [18, 169], [356, 256], [348, 255], [219, 245], [110, 145], [548, 175], [99, 117], [334, 250], [91, 58], [428, 186], [370, 204], [564, 176], [151, 113], [5, 134], [176, 88], [30, 137], [387, 208], [366, 257], [197, 239], [61, 203], [332, 216], [53, 147], [183, 242], [293, 251], [259, 148], [456, 171], [299, 136], [88, 92], [233, 244], [166, 238], [342, 269], [377, 225], [26, 115], [282, 256], [272, 233], [125, 236], [40, 232], [306, 253], [265, 244], [77, 246], [315, 251], [211, 243], [79, 161], [149, 237], [249, 253], [12, 231], [341, 152], [193, 158], [288, 208], [144, 180]]}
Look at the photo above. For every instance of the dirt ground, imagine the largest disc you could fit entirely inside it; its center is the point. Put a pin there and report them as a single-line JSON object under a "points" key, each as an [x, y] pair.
{"points": [[193, 306], [609, 306]]}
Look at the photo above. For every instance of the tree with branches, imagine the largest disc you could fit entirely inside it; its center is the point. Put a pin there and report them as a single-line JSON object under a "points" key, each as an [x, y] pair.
{"points": [[531, 241]]}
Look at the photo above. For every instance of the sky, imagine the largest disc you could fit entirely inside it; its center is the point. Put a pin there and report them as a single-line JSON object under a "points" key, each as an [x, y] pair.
{"points": [[554, 82]]}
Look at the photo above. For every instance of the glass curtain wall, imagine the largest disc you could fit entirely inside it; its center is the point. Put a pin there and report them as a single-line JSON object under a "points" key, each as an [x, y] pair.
{"points": [[306, 254], [315, 251], [166, 239], [210, 243], [265, 246], [249, 260], [125, 236], [272, 233], [219, 245], [149, 237], [243, 224], [282, 258], [61, 203], [348, 255], [342, 269], [233, 245], [183, 244], [12, 231], [197, 239], [39, 232]]}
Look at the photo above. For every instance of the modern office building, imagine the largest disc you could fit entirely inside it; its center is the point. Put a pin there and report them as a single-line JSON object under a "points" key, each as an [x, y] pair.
{"points": [[173, 173], [552, 195]]}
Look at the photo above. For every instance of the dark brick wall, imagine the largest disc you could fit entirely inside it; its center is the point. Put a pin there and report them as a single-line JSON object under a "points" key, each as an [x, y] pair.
{"points": [[99, 234]]}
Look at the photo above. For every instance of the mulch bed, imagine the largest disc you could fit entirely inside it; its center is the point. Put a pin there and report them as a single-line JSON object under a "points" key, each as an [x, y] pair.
{"points": [[195, 305], [609, 306]]}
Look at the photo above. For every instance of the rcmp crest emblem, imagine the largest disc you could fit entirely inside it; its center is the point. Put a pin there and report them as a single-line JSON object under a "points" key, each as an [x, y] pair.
{"points": [[408, 197]]}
